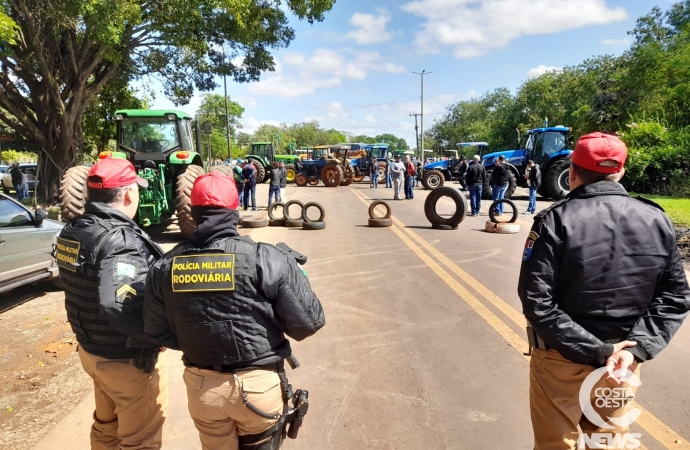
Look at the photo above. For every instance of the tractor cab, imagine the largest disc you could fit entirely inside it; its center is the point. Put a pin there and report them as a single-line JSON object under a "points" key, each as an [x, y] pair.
{"points": [[545, 143], [477, 148]]}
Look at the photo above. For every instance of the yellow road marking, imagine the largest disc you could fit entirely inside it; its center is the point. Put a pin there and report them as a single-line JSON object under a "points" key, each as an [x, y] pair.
{"points": [[655, 427]]}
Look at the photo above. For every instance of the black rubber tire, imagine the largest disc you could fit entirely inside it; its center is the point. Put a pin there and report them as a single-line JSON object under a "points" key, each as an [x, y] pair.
{"points": [[501, 228], [313, 181], [272, 208], [314, 225], [358, 178], [73, 191], [433, 179], [288, 168], [322, 211], [460, 206], [486, 190], [301, 180], [276, 222], [437, 226], [505, 201], [383, 167], [331, 175], [376, 203], [260, 222], [289, 223], [286, 209], [225, 170], [261, 175], [553, 181], [349, 175], [183, 198], [380, 223]]}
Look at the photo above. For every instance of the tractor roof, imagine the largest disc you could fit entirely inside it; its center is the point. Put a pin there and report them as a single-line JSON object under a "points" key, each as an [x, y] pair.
{"points": [[152, 113], [262, 143], [473, 144], [559, 128]]}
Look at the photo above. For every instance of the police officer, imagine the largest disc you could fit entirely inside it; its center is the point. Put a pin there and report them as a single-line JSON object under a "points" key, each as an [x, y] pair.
{"points": [[103, 258], [226, 302], [602, 285]]}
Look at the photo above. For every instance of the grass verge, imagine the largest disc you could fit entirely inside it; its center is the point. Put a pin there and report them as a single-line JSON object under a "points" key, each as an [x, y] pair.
{"points": [[677, 208]]}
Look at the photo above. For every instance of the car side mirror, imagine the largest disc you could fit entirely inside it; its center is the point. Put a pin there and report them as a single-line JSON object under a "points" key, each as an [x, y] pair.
{"points": [[39, 216]]}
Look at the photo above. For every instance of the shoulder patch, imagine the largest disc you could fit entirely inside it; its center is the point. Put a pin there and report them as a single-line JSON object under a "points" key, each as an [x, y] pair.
{"points": [[529, 245], [648, 201]]}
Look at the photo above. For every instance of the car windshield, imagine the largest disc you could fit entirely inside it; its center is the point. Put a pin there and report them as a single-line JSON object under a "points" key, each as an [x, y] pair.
{"points": [[12, 215], [149, 135]]}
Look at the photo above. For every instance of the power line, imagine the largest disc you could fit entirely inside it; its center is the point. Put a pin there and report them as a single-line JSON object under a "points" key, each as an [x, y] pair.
{"points": [[324, 107]]}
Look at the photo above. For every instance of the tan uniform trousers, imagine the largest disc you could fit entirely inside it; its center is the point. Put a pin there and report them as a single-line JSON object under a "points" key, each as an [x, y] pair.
{"points": [[218, 411], [130, 405], [554, 401]]}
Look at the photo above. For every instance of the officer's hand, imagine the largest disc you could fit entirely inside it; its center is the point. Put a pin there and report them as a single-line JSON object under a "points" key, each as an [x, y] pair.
{"points": [[620, 359]]}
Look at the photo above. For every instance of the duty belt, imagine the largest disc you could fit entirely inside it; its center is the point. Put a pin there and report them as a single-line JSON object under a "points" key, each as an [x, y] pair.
{"points": [[535, 341]]}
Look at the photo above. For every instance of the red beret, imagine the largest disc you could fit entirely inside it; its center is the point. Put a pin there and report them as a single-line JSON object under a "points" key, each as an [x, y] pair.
{"points": [[110, 173], [600, 153], [215, 189]]}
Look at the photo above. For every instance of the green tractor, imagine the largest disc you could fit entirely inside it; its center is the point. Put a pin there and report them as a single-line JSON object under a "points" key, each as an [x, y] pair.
{"points": [[264, 153], [160, 145]]}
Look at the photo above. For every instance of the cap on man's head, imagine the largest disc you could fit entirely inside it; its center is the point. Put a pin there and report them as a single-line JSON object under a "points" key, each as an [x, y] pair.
{"points": [[111, 173], [215, 190], [600, 153]]}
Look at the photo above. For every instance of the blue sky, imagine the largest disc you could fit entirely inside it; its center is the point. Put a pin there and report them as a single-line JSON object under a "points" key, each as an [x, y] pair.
{"points": [[352, 71]]}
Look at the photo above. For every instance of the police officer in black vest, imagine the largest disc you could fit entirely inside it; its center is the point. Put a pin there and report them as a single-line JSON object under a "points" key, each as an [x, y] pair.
{"points": [[104, 258], [227, 303]]}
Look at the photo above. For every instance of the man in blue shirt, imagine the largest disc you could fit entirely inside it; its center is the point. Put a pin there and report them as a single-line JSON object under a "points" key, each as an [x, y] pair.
{"points": [[249, 177]]}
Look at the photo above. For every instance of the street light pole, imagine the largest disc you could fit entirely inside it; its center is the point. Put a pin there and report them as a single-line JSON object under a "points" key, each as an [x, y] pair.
{"points": [[421, 156]]}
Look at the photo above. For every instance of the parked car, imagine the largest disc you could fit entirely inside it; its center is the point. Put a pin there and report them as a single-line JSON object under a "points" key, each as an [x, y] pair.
{"points": [[28, 169], [26, 245]]}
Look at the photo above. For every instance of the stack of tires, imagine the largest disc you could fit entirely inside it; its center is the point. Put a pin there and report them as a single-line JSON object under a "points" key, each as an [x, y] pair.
{"points": [[376, 221], [493, 225], [299, 221]]}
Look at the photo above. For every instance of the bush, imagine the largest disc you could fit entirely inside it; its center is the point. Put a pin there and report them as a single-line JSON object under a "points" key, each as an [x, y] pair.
{"points": [[12, 156]]}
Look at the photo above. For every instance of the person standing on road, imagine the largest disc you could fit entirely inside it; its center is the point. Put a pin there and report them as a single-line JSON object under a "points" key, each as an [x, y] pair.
{"points": [[602, 285], [227, 303], [409, 178], [475, 181], [534, 180], [462, 170], [500, 178], [283, 183], [249, 179], [239, 181], [397, 170], [276, 180], [374, 174], [16, 175], [103, 258], [389, 176]]}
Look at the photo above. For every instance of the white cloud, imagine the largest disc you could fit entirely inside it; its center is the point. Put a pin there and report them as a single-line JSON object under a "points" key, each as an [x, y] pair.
{"points": [[474, 27], [370, 28], [281, 86], [623, 42], [370, 119], [326, 61], [541, 69], [251, 124]]}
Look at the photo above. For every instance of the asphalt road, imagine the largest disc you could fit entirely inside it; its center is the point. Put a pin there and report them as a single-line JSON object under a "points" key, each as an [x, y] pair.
{"points": [[423, 342]]}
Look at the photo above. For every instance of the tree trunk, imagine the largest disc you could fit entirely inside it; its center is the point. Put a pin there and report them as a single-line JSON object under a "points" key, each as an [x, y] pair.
{"points": [[64, 142]]}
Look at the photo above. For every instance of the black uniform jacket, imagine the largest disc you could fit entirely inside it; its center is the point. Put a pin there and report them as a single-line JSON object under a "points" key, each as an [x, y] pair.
{"points": [[600, 267], [271, 297], [535, 176], [475, 174], [500, 176]]}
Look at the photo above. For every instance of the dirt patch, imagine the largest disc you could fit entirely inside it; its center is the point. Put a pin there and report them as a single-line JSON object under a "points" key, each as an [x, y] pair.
{"points": [[683, 239]]}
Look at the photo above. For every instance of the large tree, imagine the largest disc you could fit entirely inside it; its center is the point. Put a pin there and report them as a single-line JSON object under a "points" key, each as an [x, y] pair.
{"points": [[57, 55], [212, 110]]}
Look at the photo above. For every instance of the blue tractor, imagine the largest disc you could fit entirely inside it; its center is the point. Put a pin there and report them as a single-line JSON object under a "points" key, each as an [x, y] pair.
{"points": [[437, 173], [362, 164], [548, 148]]}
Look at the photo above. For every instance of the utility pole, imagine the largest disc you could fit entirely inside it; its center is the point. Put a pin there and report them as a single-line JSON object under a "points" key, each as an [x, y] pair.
{"points": [[424, 72], [416, 136], [227, 116]]}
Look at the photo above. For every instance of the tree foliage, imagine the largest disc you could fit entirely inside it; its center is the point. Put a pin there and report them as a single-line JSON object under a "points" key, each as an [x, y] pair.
{"points": [[212, 110]]}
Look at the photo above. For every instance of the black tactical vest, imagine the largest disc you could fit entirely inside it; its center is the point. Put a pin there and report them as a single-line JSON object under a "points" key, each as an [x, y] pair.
{"points": [[213, 304]]}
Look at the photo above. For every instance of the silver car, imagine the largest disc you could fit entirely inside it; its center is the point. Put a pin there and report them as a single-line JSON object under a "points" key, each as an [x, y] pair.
{"points": [[26, 244]]}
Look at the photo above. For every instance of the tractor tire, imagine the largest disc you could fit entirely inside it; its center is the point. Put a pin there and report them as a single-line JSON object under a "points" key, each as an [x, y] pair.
{"points": [[380, 223], [290, 172], [73, 192], [358, 178], [486, 190], [383, 171], [272, 208], [314, 226], [505, 201], [289, 223], [322, 212], [460, 206], [314, 181], [286, 210], [276, 222], [557, 181], [349, 176], [501, 228], [374, 204], [225, 170], [255, 222], [183, 198], [331, 175], [301, 180], [433, 179], [261, 174]]}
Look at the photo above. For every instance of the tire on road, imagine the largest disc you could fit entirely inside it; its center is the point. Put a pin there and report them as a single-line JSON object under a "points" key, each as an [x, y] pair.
{"points": [[276, 222], [272, 208], [259, 222], [433, 179], [460, 206], [286, 210], [437, 226], [557, 180], [331, 175], [294, 223], [314, 225], [301, 180], [183, 198], [501, 228], [379, 223], [322, 211], [73, 190], [505, 201], [374, 204]]}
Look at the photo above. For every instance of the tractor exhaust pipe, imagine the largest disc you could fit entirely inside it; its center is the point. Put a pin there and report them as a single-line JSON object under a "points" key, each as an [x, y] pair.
{"points": [[197, 131], [518, 140]]}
